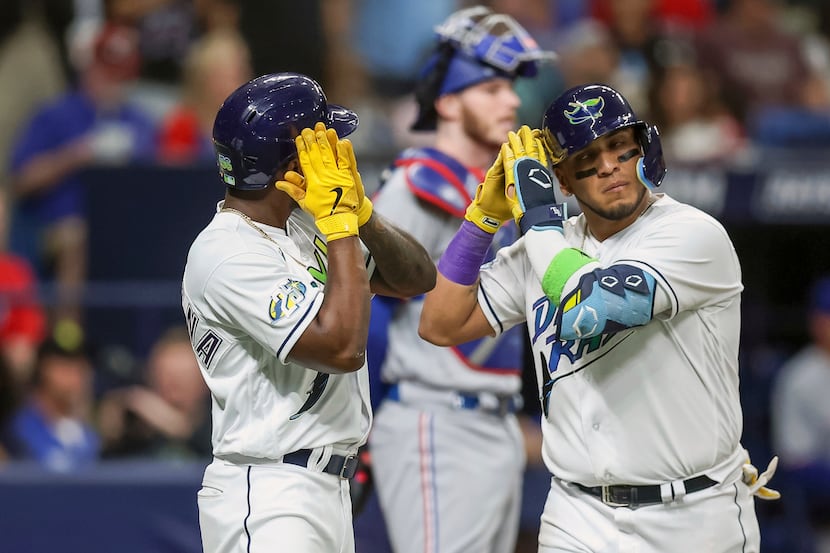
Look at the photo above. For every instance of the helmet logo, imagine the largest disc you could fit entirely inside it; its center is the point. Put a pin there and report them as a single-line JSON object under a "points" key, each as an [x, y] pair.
{"points": [[589, 110], [226, 170]]}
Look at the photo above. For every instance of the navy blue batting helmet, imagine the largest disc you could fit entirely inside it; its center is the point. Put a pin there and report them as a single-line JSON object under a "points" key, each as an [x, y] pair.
{"points": [[474, 45], [582, 114], [254, 130]]}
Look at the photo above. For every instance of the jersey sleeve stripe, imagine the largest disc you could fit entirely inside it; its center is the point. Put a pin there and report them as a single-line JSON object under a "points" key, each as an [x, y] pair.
{"points": [[492, 313], [294, 335]]}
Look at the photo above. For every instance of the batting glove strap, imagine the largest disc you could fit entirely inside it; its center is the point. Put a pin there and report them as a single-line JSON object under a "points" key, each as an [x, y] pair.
{"points": [[482, 220], [544, 217], [339, 225]]}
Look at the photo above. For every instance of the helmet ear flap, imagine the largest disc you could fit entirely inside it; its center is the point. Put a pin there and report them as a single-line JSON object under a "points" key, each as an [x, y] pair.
{"points": [[651, 168]]}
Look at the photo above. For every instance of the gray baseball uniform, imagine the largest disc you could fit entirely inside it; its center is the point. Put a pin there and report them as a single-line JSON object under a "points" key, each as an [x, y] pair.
{"points": [[447, 452]]}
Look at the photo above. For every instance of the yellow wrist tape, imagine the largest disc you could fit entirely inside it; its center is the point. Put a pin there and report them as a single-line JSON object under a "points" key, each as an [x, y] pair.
{"points": [[339, 225]]}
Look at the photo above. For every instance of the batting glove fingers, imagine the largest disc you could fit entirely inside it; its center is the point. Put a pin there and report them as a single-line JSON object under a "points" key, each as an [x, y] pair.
{"points": [[490, 208], [330, 192], [364, 204], [293, 184], [757, 483]]}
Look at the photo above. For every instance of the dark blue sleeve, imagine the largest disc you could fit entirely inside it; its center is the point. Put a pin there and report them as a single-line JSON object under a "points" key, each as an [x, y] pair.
{"points": [[38, 135], [383, 308]]}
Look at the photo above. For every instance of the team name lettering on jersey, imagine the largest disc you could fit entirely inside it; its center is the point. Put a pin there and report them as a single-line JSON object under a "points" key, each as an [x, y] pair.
{"points": [[554, 350], [192, 321], [207, 347], [207, 344]]}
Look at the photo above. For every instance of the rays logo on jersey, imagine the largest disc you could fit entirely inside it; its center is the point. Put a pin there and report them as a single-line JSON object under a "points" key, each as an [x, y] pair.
{"points": [[588, 110], [286, 298]]}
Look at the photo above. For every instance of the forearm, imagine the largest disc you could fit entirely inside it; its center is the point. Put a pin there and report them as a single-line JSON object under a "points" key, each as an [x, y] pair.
{"points": [[451, 314], [342, 324], [404, 268]]}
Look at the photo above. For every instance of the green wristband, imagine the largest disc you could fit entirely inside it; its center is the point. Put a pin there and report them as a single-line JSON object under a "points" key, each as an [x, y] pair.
{"points": [[561, 268]]}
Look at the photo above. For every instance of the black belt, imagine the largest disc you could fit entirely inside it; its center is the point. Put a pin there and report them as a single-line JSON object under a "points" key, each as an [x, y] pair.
{"points": [[339, 465], [634, 496]]}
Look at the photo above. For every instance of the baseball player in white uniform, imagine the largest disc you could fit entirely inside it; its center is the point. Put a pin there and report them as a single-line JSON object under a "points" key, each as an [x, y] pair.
{"points": [[633, 312], [446, 447], [277, 305]]}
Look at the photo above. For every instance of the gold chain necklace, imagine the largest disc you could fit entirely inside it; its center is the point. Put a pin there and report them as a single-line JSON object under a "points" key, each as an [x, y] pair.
{"points": [[265, 235], [251, 224]]}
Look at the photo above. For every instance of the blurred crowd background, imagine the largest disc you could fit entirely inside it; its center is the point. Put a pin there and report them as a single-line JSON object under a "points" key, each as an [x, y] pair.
{"points": [[107, 174]]}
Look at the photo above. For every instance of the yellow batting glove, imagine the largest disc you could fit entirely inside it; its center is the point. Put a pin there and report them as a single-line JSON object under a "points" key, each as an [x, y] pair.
{"points": [[489, 208], [294, 186], [364, 204], [523, 144], [529, 183], [330, 193], [757, 483]]}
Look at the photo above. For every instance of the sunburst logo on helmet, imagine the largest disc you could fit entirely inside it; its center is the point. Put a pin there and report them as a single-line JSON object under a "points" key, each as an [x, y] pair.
{"points": [[589, 110]]}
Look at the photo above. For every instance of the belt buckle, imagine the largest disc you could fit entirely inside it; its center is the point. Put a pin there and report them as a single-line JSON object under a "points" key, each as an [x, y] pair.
{"points": [[349, 465], [608, 498]]}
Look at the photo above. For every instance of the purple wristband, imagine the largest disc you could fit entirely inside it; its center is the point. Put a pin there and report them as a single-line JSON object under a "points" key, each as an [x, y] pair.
{"points": [[465, 254]]}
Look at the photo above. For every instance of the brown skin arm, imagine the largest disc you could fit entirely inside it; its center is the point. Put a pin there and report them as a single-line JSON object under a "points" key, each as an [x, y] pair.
{"points": [[451, 314], [335, 341], [404, 268]]}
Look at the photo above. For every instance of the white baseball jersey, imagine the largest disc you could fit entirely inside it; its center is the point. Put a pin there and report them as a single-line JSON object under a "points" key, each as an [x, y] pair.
{"points": [[247, 300], [650, 404]]}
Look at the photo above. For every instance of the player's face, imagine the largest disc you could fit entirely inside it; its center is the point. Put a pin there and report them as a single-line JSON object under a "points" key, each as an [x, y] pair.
{"points": [[488, 111], [603, 176]]}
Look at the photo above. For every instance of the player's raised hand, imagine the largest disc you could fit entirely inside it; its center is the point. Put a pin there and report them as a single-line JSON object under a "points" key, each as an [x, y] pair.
{"points": [[330, 191], [529, 183], [490, 208], [364, 204]]}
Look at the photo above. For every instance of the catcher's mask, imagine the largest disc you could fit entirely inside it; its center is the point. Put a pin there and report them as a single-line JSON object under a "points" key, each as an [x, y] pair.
{"points": [[254, 130], [474, 45], [582, 114]]}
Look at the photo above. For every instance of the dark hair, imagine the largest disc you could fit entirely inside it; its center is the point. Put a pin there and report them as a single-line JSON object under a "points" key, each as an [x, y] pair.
{"points": [[54, 348]]}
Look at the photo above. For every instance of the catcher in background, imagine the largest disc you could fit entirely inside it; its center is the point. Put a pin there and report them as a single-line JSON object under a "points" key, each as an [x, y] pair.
{"points": [[633, 312], [276, 301], [446, 447]]}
